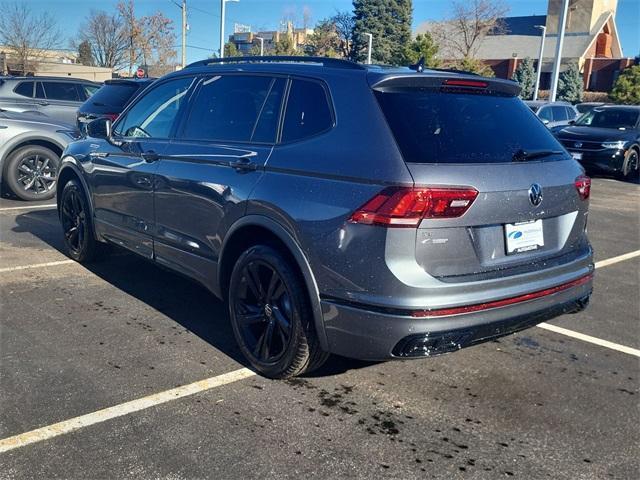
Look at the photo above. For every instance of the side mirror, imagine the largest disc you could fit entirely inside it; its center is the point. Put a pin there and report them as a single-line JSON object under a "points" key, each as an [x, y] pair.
{"points": [[100, 128]]}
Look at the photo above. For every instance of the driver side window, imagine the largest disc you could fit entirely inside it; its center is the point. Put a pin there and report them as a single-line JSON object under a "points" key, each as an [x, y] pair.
{"points": [[154, 114]]}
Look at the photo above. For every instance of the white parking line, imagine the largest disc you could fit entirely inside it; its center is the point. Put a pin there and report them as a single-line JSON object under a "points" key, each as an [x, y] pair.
{"points": [[30, 207], [36, 265], [619, 258], [116, 411], [590, 339]]}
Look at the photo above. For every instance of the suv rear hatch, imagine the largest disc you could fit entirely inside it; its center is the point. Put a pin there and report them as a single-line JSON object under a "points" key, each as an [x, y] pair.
{"points": [[468, 134]]}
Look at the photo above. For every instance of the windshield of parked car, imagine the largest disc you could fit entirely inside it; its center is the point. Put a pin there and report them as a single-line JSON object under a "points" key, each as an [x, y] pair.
{"points": [[458, 127], [618, 118]]}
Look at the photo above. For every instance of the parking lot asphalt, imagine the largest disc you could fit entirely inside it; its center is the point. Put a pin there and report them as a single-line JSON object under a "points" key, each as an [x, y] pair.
{"points": [[75, 340]]}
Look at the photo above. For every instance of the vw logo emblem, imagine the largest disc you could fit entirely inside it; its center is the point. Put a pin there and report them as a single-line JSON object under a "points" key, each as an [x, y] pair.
{"points": [[535, 194], [268, 310], [578, 144]]}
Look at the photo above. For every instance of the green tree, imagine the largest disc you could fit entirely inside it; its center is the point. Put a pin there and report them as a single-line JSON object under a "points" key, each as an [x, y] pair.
{"points": [[230, 50], [570, 84], [422, 46], [470, 64], [325, 41], [85, 54], [525, 75], [627, 87], [285, 46], [389, 21]]}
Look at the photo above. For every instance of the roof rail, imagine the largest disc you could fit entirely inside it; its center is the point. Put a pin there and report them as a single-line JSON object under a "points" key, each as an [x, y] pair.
{"points": [[327, 62]]}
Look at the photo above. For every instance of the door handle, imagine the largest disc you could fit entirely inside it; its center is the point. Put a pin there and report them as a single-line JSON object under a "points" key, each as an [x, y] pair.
{"points": [[44, 104], [150, 156], [243, 164]]}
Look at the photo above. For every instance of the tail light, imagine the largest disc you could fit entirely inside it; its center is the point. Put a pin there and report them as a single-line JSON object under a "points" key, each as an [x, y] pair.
{"points": [[583, 185], [406, 206], [465, 83]]}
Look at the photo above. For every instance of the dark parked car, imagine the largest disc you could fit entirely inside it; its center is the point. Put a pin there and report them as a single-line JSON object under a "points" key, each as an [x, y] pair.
{"points": [[374, 213], [605, 139], [553, 114], [587, 106], [56, 97], [110, 99]]}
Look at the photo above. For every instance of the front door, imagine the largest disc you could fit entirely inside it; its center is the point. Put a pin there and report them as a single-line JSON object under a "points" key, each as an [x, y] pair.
{"points": [[208, 172], [123, 170]]}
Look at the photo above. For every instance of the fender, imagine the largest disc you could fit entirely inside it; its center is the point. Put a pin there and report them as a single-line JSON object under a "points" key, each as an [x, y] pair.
{"points": [[25, 137], [300, 258], [70, 163]]}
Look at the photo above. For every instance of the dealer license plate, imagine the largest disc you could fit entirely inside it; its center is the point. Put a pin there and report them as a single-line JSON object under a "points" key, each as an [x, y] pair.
{"points": [[524, 236]]}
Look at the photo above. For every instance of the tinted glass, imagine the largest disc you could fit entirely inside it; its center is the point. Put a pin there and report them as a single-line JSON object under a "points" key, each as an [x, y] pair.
{"points": [[610, 118], [226, 108], [582, 108], [61, 91], [571, 113], [39, 90], [266, 129], [25, 89], [559, 113], [89, 90], [154, 113], [114, 95], [435, 127], [545, 114], [308, 112]]}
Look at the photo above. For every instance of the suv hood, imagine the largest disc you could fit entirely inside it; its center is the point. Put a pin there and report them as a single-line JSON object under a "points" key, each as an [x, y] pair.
{"points": [[594, 134]]}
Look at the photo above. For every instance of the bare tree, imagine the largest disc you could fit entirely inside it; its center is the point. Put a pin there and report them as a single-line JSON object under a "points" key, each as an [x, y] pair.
{"points": [[344, 22], [27, 36], [132, 31], [104, 32], [157, 39], [471, 21]]}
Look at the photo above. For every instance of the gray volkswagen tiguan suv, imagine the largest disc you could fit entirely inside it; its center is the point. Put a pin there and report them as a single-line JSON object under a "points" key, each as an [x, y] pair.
{"points": [[369, 212]]}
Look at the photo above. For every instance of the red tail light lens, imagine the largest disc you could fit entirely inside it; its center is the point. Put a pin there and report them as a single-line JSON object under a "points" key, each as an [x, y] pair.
{"points": [[583, 185], [406, 207], [465, 83]]}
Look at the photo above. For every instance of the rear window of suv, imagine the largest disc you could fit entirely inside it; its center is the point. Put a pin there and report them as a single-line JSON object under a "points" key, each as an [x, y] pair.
{"points": [[436, 127], [114, 94]]}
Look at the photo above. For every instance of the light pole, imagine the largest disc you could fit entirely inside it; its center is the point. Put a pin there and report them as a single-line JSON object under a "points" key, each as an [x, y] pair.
{"points": [[184, 33], [222, 5], [540, 56], [261, 45], [562, 22], [370, 42]]}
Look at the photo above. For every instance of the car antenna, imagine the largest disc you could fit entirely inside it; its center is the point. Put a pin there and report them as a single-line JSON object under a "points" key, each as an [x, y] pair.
{"points": [[418, 66]]}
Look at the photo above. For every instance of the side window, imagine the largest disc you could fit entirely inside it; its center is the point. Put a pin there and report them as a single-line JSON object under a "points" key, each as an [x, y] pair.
{"points": [[267, 127], [571, 113], [545, 114], [39, 90], [227, 108], [153, 115], [65, 91], [87, 90], [25, 89], [559, 113], [308, 112]]}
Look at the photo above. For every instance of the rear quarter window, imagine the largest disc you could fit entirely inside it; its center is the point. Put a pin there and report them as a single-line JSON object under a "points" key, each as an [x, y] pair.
{"points": [[308, 111], [437, 127], [24, 89]]}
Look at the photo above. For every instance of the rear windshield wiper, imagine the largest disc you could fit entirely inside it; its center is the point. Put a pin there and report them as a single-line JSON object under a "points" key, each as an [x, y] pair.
{"points": [[522, 155]]}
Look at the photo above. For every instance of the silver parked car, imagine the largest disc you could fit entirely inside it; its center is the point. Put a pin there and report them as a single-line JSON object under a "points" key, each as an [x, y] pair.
{"points": [[58, 98], [30, 149], [553, 114]]}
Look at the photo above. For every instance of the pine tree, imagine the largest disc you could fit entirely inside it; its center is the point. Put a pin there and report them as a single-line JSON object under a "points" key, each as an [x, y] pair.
{"points": [[423, 46], [389, 21], [525, 75], [85, 55], [627, 87], [570, 86], [230, 50]]}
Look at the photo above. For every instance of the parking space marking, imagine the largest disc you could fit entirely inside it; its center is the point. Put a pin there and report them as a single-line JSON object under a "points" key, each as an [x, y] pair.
{"points": [[590, 339], [36, 265], [619, 258], [30, 207], [116, 411]]}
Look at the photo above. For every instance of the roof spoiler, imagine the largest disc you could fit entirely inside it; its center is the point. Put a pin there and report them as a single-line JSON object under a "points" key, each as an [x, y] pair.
{"points": [[445, 80]]}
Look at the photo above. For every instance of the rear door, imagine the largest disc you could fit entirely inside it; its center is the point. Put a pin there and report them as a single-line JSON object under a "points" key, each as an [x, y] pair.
{"points": [[527, 211], [208, 172], [22, 98], [62, 100]]}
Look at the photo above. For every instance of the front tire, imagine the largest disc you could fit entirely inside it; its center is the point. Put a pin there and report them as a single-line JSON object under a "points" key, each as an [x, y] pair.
{"points": [[271, 316], [32, 173], [75, 217], [630, 165]]}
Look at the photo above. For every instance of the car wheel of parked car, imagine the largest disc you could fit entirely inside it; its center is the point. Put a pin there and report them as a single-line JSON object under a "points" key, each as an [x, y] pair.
{"points": [[75, 217], [271, 316], [32, 172], [630, 165]]}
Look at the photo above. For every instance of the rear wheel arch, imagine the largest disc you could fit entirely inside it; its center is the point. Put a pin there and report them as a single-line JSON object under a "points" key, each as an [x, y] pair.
{"points": [[257, 229], [54, 147]]}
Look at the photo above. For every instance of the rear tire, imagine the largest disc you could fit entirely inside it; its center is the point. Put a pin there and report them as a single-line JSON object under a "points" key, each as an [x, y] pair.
{"points": [[271, 316], [31, 173], [77, 227], [630, 165]]}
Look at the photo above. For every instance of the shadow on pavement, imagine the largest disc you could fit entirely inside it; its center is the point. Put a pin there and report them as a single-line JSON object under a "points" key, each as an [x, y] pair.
{"points": [[179, 298]]}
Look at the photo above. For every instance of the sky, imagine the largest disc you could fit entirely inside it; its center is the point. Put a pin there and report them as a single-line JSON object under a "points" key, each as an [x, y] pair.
{"points": [[204, 16]]}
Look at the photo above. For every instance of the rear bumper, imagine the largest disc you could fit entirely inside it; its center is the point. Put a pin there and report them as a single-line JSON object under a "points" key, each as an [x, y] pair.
{"points": [[372, 334]]}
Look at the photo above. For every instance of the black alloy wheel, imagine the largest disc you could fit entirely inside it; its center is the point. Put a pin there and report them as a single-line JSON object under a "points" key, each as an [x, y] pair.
{"points": [[75, 218]]}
